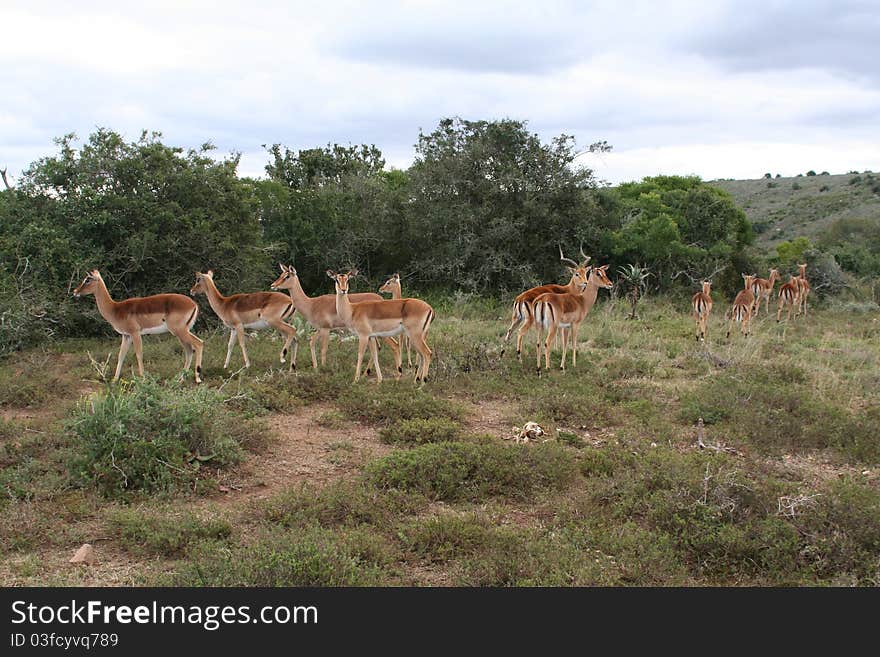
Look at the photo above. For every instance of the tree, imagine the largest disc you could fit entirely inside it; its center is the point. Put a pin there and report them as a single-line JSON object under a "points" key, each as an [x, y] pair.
{"points": [[634, 279]]}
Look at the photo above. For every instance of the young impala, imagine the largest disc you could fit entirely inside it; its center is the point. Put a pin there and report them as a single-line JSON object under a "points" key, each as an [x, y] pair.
{"points": [[320, 312], [788, 296], [132, 318], [762, 288], [742, 306], [392, 287], [248, 311], [702, 302], [567, 310], [386, 318], [523, 305], [803, 289]]}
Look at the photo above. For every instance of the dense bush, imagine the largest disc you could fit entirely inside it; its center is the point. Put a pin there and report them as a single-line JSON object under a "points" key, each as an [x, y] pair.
{"points": [[152, 438]]}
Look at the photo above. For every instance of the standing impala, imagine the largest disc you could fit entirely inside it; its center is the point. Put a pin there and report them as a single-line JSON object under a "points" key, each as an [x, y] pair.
{"points": [[392, 287], [788, 296], [132, 318], [321, 313], [523, 305], [554, 311], [762, 288], [385, 318], [243, 311], [702, 302], [742, 306], [803, 289]]}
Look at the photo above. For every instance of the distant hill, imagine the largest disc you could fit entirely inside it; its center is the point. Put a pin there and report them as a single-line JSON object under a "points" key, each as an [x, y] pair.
{"points": [[785, 208]]}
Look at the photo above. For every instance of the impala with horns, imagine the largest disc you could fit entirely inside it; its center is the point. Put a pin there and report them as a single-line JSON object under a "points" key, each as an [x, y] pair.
{"points": [[762, 288], [741, 311], [567, 310], [523, 305], [132, 318], [385, 318], [392, 286], [320, 313], [702, 303], [249, 311]]}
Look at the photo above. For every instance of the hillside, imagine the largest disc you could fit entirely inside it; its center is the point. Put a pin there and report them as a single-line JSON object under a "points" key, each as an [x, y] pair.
{"points": [[785, 208]]}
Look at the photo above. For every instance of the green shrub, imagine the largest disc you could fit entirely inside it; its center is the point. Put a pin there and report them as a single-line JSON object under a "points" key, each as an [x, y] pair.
{"points": [[148, 437], [419, 431], [168, 536], [446, 536], [474, 471], [394, 400]]}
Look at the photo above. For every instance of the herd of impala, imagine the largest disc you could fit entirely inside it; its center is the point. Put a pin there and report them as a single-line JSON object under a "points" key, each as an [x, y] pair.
{"points": [[554, 311]]}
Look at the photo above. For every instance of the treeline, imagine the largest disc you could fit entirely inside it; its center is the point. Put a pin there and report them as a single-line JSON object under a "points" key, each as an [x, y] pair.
{"points": [[482, 209]]}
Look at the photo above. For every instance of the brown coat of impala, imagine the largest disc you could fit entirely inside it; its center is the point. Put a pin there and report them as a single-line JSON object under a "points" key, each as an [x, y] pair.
{"points": [[132, 318], [742, 306], [762, 288], [385, 318], [523, 314], [248, 311], [392, 286], [803, 289], [320, 312], [789, 295], [702, 303], [567, 310]]}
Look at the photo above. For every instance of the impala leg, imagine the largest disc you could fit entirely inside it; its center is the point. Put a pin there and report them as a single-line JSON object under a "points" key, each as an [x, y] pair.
{"points": [[564, 347], [574, 330], [229, 347], [521, 334], [424, 352], [325, 338], [239, 333], [198, 346], [408, 351], [123, 351], [312, 342], [138, 351], [538, 343], [362, 347], [290, 336], [548, 346], [374, 353]]}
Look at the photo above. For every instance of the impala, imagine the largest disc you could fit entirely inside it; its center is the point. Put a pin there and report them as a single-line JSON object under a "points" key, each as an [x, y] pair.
{"points": [[248, 311], [789, 295], [132, 318], [803, 288], [702, 302], [321, 313], [523, 305], [742, 306], [762, 288], [385, 318], [392, 287], [567, 310]]}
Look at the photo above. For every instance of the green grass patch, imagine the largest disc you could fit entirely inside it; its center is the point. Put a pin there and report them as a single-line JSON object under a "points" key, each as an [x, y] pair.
{"points": [[165, 535], [419, 431]]}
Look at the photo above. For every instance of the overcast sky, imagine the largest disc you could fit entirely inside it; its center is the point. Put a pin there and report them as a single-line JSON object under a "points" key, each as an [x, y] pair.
{"points": [[719, 89]]}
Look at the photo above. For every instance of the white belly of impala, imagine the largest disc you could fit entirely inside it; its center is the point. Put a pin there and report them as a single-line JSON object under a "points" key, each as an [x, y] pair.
{"points": [[162, 328], [564, 324], [388, 334], [259, 324]]}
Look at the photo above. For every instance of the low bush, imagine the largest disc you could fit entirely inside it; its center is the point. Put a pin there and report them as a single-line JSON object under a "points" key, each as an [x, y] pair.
{"points": [[168, 536], [419, 431]]}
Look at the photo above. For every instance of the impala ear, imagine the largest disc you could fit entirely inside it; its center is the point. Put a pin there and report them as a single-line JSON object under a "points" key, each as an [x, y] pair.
{"points": [[352, 273], [210, 273], [331, 274], [283, 268]]}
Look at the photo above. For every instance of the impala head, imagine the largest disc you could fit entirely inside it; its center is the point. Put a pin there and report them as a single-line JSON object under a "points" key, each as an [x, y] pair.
{"points": [[600, 277], [89, 285], [707, 287], [802, 269], [200, 284], [774, 273], [392, 285], [285, 281], [342, 280]]}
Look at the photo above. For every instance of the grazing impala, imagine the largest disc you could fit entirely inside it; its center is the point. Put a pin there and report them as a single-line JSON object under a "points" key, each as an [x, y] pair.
{"points": [[385, 318], [523, 305], [132, 318], [762, 288], [702, 302], [742, 306], [320, 312], [803, 289], [248, 311], [554, 311], [788, 296], [392, 287]]}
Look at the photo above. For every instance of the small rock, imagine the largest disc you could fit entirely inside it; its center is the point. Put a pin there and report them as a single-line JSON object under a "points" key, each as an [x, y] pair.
{"points": [[85, 554], [223, 489], [866, 472]]}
